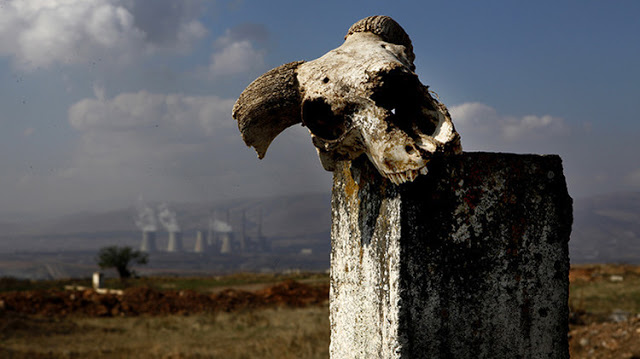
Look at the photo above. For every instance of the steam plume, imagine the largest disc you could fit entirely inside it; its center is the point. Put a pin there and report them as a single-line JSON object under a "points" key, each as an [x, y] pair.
{"points": [[167, 218], [145, 218], [220, 226]]}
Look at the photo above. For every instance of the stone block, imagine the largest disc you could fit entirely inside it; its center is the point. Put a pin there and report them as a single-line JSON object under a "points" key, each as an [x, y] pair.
{"points": [[469, 261]]}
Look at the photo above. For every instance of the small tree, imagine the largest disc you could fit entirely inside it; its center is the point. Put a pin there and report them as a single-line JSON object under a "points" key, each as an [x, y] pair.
{"points": [[120, 258]]}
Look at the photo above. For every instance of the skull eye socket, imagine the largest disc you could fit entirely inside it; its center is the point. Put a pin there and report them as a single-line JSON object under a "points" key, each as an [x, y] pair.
{"points": [[321, 121]]}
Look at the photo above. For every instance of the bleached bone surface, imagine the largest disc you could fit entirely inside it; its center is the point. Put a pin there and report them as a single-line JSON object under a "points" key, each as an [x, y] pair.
{"points": [[360, 98]]}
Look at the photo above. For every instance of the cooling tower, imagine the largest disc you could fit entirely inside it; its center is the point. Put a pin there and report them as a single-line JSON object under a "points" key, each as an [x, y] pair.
{"points": [[148, 241], [225, 246], [201, 245], [175, 242]]}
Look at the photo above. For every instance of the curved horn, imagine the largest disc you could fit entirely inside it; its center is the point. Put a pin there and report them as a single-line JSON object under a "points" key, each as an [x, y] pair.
{"points": [[268, 106], [388, 30]]}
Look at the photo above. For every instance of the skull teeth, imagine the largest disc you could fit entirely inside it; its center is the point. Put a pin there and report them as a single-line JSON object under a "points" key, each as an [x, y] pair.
{"points": [[407, 176]]}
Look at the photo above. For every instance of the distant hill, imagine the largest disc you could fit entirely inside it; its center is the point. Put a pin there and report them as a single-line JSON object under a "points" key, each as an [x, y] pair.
{"points": [[294, 217], [606, 228]]}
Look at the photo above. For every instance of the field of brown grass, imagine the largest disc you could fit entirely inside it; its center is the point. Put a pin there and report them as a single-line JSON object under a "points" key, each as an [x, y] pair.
{"points": [[262, 320], [265, 333]]}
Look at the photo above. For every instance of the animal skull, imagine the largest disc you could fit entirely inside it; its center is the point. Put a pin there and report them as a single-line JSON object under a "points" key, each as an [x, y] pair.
{"points": [[360, 98]]}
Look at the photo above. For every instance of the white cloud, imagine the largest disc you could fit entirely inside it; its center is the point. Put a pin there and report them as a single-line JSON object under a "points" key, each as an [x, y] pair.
{"points": [[236, 50], [516, 128], [145, 143], [143, 117], [40, 33], [174, 147], [238, 57], [483, 124]]}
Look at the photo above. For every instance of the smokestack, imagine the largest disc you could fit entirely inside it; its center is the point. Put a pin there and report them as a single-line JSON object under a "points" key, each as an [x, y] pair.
{"points": [[261, 239], [175, 242], [200, 243], [148, 241], [243, 233], [260, 222], [210, 238]]}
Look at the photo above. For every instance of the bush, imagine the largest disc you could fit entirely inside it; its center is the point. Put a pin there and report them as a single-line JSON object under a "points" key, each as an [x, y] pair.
{"points": [[120, 258]]}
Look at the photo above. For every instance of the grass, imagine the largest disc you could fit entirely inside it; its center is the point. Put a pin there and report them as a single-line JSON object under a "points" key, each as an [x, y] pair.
{"points": [[600, 295], [270, 333], [265, 333]]}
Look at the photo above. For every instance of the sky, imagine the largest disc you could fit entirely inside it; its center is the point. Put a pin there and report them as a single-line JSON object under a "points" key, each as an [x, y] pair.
{"points": [[105, 102]]}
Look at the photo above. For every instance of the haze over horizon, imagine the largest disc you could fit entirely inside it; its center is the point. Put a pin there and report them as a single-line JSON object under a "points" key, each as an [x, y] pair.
{"points": [[104, 101]]}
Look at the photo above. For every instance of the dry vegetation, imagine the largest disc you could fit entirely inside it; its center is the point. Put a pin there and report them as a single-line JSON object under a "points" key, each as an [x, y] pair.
{"points": [[605, 302], [605, 307], [266, 333]]}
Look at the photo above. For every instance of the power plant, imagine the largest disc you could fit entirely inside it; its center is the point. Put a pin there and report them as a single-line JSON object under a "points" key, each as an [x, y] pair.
{"points": [[221, 238], [201, 245], [175, 242], [148, 241]]}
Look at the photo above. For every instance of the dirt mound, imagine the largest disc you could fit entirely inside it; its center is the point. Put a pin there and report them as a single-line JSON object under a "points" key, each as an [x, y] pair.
{"points": [[147, 301], [606, 340], [596, 272]]}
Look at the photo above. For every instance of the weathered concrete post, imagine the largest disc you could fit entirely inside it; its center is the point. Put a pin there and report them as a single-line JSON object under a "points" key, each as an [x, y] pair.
{"points": [[470, 261], [435, 253]]}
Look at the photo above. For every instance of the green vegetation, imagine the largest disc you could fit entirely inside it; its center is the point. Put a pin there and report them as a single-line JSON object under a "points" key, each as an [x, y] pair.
{"points": [[120, 258]]}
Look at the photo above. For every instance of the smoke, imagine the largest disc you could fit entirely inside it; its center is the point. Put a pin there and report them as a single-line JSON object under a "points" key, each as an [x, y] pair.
{"points": [[146, 217], [168, 218], [219, 226]]}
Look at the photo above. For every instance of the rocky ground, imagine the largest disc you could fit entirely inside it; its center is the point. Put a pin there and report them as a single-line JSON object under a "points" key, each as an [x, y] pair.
{"points": [[608, 340]]}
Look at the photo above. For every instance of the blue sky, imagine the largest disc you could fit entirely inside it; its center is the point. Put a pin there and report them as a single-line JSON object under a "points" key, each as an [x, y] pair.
{"points": [[104, 101]]}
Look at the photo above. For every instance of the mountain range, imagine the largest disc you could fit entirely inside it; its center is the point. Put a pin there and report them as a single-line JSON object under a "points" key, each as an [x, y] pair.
{"points": [[606, 228]]}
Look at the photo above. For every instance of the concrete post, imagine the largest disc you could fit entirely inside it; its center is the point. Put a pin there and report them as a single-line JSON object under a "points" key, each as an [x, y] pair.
{"points": [[469, 261], [96, 280]]}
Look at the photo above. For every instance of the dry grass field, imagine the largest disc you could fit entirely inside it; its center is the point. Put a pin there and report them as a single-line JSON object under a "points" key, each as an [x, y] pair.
{"points": [[266, 333], [605, 321]]}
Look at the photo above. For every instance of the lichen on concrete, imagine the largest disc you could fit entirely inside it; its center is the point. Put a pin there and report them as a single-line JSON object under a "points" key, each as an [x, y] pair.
{"points": [[470, 261]]}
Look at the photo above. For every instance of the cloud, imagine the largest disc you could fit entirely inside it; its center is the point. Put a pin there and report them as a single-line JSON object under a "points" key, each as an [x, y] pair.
{"points": [[39, 33], [479, 119], [595, 159], [177, 147], [145, 122], [146, 143], [237, 52], [256, 33], [236, 58]]}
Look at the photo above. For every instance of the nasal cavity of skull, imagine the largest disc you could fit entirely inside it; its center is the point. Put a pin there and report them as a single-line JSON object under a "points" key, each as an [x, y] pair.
{"points": [[321, 121], [427, 125], [396, 92], [409, 149]]}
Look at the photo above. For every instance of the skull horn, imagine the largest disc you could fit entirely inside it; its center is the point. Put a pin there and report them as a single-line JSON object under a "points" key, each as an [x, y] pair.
{"points": [[268, 106], [387, 29]]}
